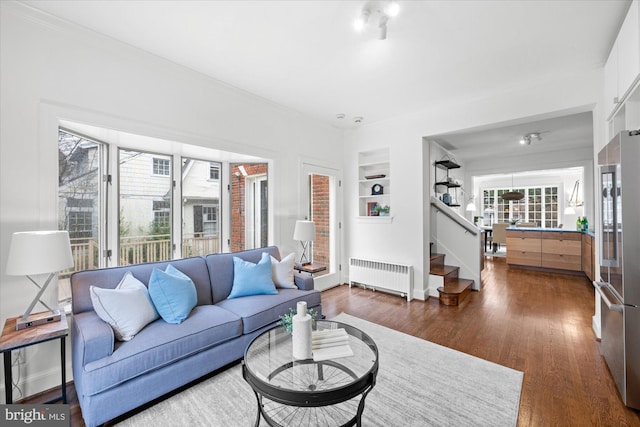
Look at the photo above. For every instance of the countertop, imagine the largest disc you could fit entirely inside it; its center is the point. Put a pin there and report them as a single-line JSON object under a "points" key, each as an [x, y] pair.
{"points": [[563, 230]]}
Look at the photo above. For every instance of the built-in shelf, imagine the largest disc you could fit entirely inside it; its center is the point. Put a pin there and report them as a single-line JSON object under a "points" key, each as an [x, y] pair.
{"points": [[375, 165]]}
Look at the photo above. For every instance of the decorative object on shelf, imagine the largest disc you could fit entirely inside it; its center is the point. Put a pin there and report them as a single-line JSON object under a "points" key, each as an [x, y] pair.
{"points": [[305, 232], [446, 198], [573, 201], [512, 195], [301, 333], [371, 209], [286, 320], [382, 210], [378, 176], [377, 190], [39, 252]]}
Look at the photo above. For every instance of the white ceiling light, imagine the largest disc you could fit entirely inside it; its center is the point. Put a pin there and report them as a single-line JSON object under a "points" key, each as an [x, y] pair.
{"points": [[530, 137], [383, 10], [392, 9]]}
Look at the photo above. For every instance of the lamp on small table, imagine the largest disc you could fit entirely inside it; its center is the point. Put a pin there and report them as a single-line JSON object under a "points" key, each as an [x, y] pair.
{"points": [[39, 252], [305, 232]]}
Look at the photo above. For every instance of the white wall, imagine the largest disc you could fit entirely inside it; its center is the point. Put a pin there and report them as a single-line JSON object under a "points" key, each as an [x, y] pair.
{"points": [[52, 71], [406, 239]]}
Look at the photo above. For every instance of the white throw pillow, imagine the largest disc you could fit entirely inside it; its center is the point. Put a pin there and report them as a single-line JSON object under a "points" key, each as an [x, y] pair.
{"points": [[127, 308], [282, 271]]}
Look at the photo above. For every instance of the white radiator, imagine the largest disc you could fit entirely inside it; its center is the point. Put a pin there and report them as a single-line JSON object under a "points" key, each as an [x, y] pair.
{"points": [[382, 275]]}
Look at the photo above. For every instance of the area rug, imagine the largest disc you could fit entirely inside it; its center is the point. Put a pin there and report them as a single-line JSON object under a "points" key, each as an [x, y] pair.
{"points": [[419, 383]]}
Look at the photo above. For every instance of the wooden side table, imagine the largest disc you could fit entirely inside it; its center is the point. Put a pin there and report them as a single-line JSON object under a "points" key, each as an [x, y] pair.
{"points": [[14, 340], [311, 268]]}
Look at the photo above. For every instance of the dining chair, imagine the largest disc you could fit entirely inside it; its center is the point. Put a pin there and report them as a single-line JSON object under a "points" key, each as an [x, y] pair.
{"points": [[499, 235]]}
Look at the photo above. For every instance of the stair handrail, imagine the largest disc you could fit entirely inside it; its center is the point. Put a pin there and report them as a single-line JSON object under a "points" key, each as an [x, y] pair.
{"points": [[462, 221]]}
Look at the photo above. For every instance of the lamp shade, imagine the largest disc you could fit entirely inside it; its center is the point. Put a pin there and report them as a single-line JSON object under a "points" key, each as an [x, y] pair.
{"points": [[471, 207], [305, 231], [513, 195], [39, 252]]}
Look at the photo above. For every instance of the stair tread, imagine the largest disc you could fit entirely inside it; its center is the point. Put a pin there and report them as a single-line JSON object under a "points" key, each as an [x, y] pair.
{"points": [[436, 255], [456, 286], [442, 269]]}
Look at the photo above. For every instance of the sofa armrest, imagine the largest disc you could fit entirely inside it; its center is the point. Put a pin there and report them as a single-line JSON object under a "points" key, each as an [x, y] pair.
{"points": [[92, 338], [303, 281]]}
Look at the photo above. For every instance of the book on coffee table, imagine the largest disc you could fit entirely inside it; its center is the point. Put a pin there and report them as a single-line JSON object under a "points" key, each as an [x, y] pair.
{"points": [[330, 344]]}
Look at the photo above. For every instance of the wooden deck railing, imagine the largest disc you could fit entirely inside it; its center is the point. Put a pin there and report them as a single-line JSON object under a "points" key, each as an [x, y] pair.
{"points": [[139, 249]]}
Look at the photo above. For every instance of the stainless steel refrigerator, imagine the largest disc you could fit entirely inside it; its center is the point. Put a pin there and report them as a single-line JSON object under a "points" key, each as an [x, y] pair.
{"points": [[619, 284]]}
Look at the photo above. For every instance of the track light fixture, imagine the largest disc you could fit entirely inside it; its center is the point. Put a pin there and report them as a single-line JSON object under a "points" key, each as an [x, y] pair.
{"points": [[528, 138], [383, 10]]}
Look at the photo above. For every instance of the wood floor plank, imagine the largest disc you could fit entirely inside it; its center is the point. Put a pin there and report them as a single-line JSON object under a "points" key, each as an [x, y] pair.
{"points": [[535, 322]]}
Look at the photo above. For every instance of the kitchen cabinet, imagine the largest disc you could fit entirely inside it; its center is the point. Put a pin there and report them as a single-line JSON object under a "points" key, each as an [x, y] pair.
{"points": [[562, 250], [588, 256], [524, 248], [629, 50], [622, 69]]}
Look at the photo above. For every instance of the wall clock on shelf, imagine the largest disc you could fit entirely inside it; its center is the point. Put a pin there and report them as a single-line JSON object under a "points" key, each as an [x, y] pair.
{"points": [[377, 189]]}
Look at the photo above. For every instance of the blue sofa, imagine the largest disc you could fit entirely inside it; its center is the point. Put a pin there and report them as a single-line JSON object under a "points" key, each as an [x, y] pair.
{"points": [[113, 377]]}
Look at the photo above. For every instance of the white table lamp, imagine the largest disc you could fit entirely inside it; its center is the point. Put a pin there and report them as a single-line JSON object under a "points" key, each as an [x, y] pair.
{"points": [[39, 252], [305, 232]]}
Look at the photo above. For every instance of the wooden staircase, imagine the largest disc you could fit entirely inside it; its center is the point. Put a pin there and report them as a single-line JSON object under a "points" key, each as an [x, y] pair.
{"points": [[455, 289]]}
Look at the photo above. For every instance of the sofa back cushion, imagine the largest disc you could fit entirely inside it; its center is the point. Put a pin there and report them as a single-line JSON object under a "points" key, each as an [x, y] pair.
{"points": [[221, 269], [109, 278]]}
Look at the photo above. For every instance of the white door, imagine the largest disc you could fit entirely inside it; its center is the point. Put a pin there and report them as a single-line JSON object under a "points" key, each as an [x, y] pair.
{"points": [[321, 203]]}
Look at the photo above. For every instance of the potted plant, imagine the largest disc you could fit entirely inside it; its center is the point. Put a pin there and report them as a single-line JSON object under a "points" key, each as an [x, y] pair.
{"points": [[382, 210], [286, 320]]}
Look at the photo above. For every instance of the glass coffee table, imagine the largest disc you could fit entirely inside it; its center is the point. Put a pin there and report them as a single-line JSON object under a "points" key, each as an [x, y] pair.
{"points": [[306, 392]]}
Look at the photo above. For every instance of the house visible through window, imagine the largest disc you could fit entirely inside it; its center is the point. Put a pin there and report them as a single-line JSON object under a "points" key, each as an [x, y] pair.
{"points": [[161, 214], [161, 166], [210, 220], [80, 224], [214, 170]]}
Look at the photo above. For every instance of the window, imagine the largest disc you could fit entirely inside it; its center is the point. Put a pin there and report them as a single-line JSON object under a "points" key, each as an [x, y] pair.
{"points": [[540, 205], [210, 220], [214, 170], [161, 166], [80, 224], [81, 166], [161, 214]]}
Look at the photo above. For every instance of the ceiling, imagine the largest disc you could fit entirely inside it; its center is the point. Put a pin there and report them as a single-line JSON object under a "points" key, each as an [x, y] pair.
{"points": [[559, 133], [305, 55]]}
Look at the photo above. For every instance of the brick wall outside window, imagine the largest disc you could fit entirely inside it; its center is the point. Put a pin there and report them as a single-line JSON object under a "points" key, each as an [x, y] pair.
{"points": [[238, 202], [320, 187]]}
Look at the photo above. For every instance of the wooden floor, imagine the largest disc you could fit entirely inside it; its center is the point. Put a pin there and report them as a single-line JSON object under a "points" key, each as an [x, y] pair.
{"points": [[537, 323]]}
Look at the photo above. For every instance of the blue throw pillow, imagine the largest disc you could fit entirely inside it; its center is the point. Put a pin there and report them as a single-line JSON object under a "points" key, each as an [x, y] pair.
{"points": [[252, 279], [173, 294]]}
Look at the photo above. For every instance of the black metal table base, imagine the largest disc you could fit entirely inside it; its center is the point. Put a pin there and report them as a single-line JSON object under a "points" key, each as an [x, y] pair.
{"points": [[296, 403]]}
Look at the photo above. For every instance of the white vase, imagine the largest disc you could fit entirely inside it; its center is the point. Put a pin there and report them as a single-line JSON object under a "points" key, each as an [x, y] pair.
{"points": [[301, 333]]}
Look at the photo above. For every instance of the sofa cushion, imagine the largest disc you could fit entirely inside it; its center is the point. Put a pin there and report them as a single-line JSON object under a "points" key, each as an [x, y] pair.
{"points": [[258, 311], [160, 344], [221, 269], [282, 271], [173, 294], [127, 308], [195, 268], [252, 279]]}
